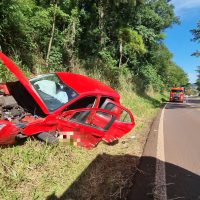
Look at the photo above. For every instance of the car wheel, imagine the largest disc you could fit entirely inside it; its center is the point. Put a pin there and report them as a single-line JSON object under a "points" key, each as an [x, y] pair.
{"points": [[47, 137], [113, 143]]}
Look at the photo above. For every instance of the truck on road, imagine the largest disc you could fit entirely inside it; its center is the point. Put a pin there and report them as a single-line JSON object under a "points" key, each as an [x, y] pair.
{"points": [[177, 94]]}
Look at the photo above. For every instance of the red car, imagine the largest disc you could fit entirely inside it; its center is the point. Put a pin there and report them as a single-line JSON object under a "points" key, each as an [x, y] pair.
{"points": [[60, 107]]}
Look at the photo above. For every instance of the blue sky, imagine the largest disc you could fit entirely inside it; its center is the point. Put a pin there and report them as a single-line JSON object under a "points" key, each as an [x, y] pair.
{"points": [[179, 37]]}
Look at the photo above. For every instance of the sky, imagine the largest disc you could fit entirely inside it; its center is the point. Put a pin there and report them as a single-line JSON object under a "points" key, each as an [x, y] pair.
{"points": [[179, 37]]}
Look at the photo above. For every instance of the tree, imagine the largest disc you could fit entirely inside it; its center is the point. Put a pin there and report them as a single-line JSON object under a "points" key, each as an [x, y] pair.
{"points": [[176, 76], [130, 44], [52, 32], [196, 33], [198, 78]]}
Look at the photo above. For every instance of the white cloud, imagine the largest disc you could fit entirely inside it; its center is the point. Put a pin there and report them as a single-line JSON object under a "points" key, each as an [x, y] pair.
{"points": [[182, 6]]}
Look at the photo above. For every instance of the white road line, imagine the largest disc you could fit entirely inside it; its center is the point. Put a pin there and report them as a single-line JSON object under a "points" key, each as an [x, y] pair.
{"points": [[160, 192]]}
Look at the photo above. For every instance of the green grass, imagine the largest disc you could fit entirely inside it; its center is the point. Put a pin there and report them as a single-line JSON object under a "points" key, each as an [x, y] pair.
{"points": [[37, 171]]}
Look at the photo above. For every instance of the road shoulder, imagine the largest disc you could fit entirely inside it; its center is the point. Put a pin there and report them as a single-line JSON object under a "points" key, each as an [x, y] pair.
{"points": [[144, 180]]}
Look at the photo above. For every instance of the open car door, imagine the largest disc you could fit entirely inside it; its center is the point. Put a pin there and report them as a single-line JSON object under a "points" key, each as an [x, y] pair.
{"points": [[88, 126]]}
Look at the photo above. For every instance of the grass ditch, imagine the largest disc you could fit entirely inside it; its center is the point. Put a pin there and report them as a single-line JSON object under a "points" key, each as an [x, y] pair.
{"points": [[39, 171]]}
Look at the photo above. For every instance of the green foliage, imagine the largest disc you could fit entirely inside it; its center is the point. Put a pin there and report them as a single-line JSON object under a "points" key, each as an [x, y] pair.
{"points": [[147, 33], [107, 66], [133, 41], [55, 60], [113, 37], [198, 78], [191, 89], [196, 33], [198, 84], [175, 76], [151, 78], [6, 75]]}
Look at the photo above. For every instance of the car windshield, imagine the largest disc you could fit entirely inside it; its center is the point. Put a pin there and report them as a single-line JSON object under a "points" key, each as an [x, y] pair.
{"points": [[176, 91], [53, 91]]}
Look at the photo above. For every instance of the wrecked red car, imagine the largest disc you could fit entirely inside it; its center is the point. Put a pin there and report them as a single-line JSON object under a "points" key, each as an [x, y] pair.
{"points": [[60, 107]]}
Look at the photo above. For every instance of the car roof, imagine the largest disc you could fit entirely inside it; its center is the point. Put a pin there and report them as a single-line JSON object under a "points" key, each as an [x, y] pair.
{"points": [[84, 84], [177, 88]]}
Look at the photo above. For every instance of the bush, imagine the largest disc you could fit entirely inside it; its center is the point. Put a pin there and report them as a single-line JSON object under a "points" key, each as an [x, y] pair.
{"points": [[151, 78]]}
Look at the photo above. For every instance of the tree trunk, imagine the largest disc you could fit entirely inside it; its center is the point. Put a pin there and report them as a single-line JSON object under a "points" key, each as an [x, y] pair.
{"points": [[52, 34], [101, 23], [73, 36], [120, 51], [70, 35]]}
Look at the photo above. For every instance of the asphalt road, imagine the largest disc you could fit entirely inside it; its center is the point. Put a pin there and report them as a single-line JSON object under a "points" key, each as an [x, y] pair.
{"points": [[170, 166]]}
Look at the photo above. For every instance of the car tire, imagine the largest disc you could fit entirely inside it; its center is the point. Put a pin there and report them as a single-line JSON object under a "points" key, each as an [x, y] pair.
{"points": [[47, 137], [113, 143]]}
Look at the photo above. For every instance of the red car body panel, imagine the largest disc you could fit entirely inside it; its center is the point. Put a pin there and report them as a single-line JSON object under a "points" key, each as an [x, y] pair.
{"points": [[8, 132], [85, 126], [83, 84]]}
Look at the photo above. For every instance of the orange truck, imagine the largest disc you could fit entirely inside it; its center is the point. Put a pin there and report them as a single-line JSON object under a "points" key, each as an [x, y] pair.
{"points": [[177, 94]]}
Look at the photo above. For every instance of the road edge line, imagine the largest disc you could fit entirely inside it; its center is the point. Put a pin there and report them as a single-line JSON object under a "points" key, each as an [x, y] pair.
{"points": [[160, 191]]}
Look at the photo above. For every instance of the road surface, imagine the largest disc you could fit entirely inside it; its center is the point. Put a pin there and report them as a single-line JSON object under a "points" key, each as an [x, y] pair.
{"points": [[170, 166]]}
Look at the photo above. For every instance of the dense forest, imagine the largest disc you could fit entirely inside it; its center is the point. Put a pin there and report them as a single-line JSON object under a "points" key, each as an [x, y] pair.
{"points": [[111, 38]]}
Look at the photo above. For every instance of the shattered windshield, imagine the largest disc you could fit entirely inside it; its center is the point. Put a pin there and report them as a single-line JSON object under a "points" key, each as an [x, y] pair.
{"points": [[53, 91], [176, 91]]}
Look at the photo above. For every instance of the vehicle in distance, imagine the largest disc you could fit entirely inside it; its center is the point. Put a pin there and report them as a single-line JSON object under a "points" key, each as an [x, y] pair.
{"points": [[177, 94], [60, 107]]}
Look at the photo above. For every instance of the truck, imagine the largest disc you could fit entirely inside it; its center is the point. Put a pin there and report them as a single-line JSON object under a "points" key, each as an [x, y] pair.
{"points": [[177, 94]]}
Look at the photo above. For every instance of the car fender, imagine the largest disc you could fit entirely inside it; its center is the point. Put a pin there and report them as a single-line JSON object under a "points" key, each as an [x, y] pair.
{"points": [[8, 132], [48, 124]]}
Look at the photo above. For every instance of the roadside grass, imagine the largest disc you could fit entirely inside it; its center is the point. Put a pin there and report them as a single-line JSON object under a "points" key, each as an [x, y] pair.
{"points": [[35, 170]]}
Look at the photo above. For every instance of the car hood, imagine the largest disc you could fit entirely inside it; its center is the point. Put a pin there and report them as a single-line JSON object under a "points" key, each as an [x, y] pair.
{"points": [[24, 80]]}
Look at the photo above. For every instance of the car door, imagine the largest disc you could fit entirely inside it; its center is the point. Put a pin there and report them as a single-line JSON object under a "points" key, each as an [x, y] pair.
{"points": [[77, 127], [123, 123], [87, 126]]}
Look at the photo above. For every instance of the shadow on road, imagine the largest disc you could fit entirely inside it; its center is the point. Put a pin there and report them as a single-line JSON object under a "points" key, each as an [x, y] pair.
{"points": [[180, 183], [194, 100], [112, 177], [177, 105]]}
